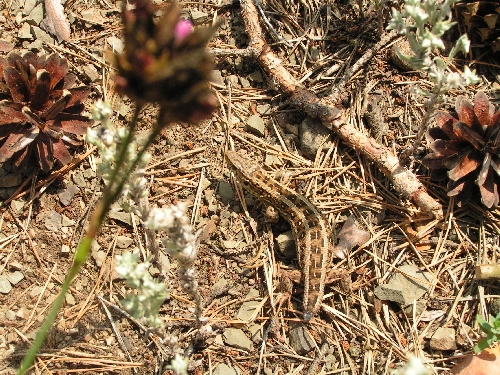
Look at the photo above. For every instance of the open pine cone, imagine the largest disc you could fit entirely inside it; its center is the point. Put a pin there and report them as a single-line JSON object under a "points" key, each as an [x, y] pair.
{"points": [[466, 149], [39, 110]]}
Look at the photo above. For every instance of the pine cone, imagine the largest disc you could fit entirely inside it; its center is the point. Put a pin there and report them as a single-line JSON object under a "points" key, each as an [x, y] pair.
{"points": [[39, 110], [466, 148], [481, 21]]}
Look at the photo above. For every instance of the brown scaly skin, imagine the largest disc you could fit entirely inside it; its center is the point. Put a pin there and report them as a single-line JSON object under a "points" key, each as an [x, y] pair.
{"points": [[310, 229]]}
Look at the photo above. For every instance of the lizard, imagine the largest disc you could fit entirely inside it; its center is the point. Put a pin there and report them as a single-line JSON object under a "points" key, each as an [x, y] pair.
{"points": [[310, 229]]}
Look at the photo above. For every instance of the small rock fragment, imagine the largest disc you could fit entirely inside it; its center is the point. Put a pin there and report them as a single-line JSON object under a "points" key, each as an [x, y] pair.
{"points": [[312, 136], [245, 83], [99, 257], [236, 338], [272, 161], [225, 192], [115, 43], [21, 313], [25, 31], [42, 35], [10, 315], [300, 339], [122, 242], [70, 300], [53, 221], [37, 289], [65, 250], [79, 180], [255, 124], [264, 109], [66, 195], [5, 286], [28, 6], [36, 15], [17, 206], [443, 339], [198, 17], [223, 369], [349, 237], [121, 216], [15, 277], [405, 289], [66, 221], [216, 77], [90, 71]]}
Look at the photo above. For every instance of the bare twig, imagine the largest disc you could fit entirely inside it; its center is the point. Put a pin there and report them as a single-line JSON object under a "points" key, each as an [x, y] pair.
{"points": [[404, 181]]}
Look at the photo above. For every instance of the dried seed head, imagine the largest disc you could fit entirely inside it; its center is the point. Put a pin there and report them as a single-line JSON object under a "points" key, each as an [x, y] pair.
{"points": [[166, 63]]}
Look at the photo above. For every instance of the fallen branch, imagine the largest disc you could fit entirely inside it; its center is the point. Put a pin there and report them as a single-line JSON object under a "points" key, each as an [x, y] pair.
{"points": [[404, 181]]}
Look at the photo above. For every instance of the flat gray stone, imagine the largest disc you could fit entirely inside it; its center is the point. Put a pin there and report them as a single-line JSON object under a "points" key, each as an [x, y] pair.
{"points": [[53, 221], [223, 369], [225, 192], [122, 242], [312, 136], [5, 286], [28, 6], [247, 310], [90, 71], [99, 257], [255, 332], [315, 53], [17, 206], [15, 265], [25, 31], [272, 161], [255, 124], [403, 289], [36, 291], [79, 180], [233, 80], [10, 315], [21, 313], [42, 35], [67, 222], [443, 339], [15, 277], [11, 180], [237, 339], [121, 216], [70, 300], [115, 43], [66, 195], [300, 339], [238, 63], [35, 46], [264, 109], [36, 15], [198, 16]]}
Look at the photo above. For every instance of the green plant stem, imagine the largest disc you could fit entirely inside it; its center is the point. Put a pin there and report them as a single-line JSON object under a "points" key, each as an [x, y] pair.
{"points": [[110, 194]]}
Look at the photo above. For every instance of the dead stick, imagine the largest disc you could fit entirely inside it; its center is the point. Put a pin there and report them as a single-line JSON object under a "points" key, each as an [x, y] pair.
{"points": [[404, 181]]}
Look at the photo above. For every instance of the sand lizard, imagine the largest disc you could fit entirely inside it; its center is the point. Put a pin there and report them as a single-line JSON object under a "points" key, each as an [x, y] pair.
{"points": [[310, 229]]}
